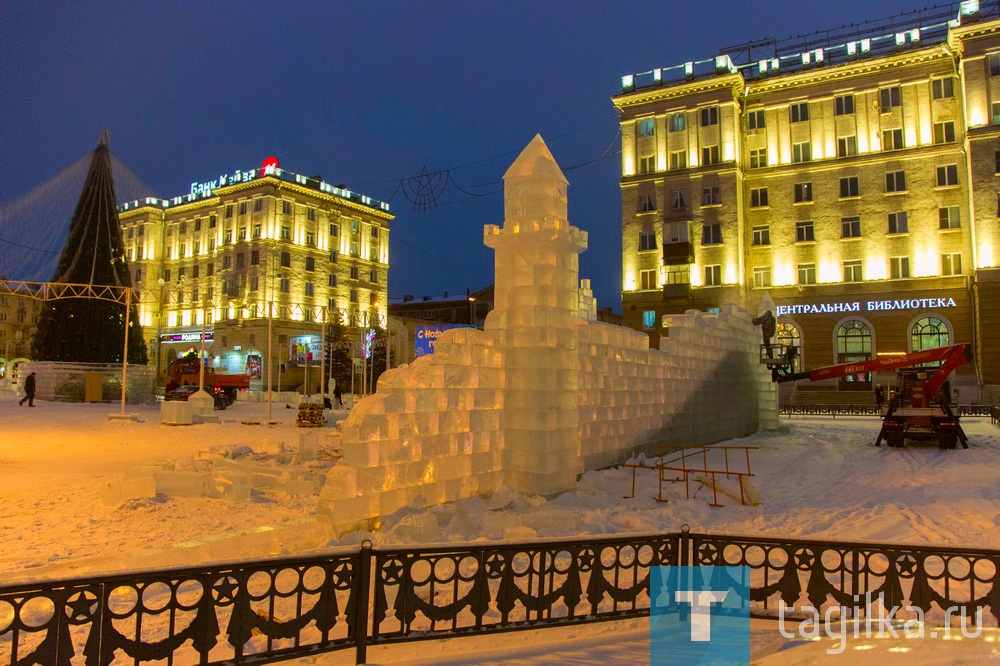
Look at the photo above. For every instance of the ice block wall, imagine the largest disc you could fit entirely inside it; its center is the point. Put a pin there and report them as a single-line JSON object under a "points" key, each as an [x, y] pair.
{"points": [[544, 392]]}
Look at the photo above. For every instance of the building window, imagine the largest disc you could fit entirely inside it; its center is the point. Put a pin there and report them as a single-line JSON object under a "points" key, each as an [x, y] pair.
{"points": [[354, 272], [892, 139], [138, 274], [183, 226], [678, 160], [310, 239], [373, 276], [710, 116], [994, 60], [334, 229], [229, 210], [756, 120], [227, 262], [889, 98], [790, 336], [211, 245], [758, 158], [257, 204], [761, 277], [943, 88], [240, 259], [713, 275], [898, 223], [211, 222], [354, 248], [254, 283], [899, 268], [354, 296], [710, 196], [762, 235], [852, 271], [254, 257], [709, 155], [676, 121], [647, 241], [843, 105], [675, 232], [949, 218], [803, 192], [944, 132], [711, 234], [228, 236], [243, 208], [310, 264], [310, 290], [995, 113], [850, 227], [647, 279], [929, 333], [332, 280], [758, 197], [256, 229], [243, 233], [284, 285], [799, 112], [334, 256], [209, 270], [677, 200], [854, 343], [197, 224], [801, 152], [951, 264], [286, 232], [804, 232], [947, 175], [649, 319], [849, 187], [646, 127], [647, 203], [847, 146], [286, 260], [647, 164], [311, 214], [807, 273], [895, 181]]}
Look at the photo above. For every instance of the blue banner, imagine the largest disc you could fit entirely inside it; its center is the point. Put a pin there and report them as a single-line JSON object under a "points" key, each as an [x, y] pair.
{"points": [[426, 336]]}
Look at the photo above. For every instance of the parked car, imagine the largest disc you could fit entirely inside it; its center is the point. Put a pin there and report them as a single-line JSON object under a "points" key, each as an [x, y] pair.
{"points": [[185, 392]]}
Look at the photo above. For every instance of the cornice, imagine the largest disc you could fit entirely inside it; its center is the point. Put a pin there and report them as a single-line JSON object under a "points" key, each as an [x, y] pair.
{"points": [[709, 84]]}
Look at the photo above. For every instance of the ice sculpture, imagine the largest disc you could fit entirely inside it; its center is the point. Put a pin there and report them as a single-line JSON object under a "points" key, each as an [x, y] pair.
{"points": [[544, 392]]}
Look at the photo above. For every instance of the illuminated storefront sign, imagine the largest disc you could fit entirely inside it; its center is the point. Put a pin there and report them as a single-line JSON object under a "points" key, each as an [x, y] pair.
{"points": [[426, 336], [303, 349], [186, 337], [270, 166], [866, 306]]}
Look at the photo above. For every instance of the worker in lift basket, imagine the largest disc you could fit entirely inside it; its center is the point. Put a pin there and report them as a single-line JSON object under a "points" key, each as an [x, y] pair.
{"points": [[768, 326]]}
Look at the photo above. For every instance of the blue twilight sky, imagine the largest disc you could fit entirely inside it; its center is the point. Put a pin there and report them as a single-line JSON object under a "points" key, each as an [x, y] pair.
{"points": [[364, 94]]}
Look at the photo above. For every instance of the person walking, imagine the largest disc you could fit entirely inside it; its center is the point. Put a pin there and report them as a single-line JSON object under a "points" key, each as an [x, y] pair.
{"points": [[29, 391], [339, 395], [879, 396]]}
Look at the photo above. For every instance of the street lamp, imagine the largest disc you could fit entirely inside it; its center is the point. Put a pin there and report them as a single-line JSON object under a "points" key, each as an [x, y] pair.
{"points": [[159, 326]]}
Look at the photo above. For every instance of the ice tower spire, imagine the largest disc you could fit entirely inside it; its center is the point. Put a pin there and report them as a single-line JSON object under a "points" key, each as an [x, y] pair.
{"points": [[536, 320]]}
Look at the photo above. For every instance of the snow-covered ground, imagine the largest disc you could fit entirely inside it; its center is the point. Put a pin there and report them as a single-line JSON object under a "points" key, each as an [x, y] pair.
{"points": [[817, 477]]}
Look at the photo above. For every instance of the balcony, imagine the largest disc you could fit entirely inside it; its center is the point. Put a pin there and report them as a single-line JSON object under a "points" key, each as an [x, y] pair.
{"points": [[678, 253]]}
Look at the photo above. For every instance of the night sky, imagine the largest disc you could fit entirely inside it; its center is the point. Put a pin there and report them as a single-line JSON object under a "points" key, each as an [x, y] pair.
{"points": [[364, 94]]}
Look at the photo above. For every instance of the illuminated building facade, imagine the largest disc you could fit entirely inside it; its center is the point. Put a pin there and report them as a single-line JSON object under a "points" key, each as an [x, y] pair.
{"points": [[234, 245], [853, 179], [18, 321]]}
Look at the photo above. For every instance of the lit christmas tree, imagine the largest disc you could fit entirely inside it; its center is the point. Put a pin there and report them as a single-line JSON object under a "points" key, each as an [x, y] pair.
{"points": [[88, 330]]}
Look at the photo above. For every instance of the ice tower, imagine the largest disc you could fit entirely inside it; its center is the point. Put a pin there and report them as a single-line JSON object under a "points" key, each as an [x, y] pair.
{"points": [[535, 321]]}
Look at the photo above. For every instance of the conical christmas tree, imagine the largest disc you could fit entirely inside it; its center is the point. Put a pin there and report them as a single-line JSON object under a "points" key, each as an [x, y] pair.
{"points": [[88, 330]]}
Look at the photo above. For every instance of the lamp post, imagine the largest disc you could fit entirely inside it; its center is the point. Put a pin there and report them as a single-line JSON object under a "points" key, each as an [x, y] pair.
{"points": [[201, 359], [159, 326]]}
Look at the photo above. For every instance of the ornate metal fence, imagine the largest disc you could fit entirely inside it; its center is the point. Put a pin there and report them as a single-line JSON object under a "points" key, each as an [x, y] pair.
{"points": [[269, 611]]}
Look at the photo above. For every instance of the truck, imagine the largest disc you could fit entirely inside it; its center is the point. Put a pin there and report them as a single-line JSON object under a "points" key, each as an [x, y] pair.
{"points": [[918, 407], [185, 370]]}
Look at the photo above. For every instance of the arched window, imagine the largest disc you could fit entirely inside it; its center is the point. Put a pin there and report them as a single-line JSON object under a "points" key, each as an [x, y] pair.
{"points": [[854, 344], [929, 333], [789, 335]]}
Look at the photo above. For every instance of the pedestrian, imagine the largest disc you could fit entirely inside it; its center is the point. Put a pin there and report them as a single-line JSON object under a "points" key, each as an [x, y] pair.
{"points": [[879, 396], [29, 391], [339, 395]]}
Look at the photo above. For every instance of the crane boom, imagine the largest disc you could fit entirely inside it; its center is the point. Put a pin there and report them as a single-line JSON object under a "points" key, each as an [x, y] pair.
{"points": [[952, 357]]}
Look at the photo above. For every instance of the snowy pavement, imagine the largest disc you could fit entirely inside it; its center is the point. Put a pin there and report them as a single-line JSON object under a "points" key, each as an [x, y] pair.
{"points": [[817, 477]]}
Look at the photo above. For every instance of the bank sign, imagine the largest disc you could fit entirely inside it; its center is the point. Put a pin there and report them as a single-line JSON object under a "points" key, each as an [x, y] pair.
{"points": [[865, 306], [269, 167], [426, 336]]}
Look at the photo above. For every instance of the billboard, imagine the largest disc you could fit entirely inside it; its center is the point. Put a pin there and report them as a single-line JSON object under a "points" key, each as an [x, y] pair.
{"points": [[304, 349], [426, 336]]}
